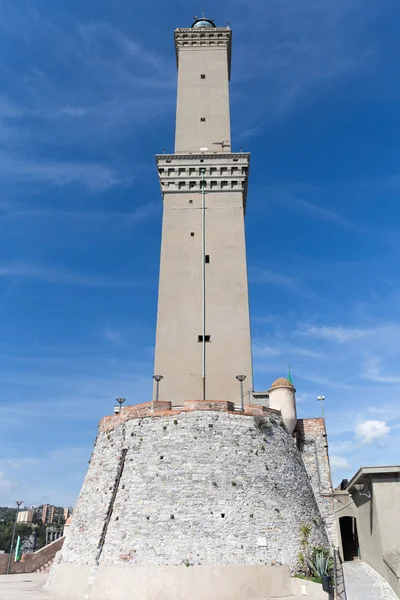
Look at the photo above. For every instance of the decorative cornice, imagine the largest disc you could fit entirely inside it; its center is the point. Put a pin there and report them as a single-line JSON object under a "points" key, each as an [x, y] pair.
{"points": [[212, 37], [202, 157], [183, 173]]}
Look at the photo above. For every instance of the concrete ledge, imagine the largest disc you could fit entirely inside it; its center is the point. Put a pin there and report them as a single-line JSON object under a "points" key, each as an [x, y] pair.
{"points": [[308, 589], [127, 582]]}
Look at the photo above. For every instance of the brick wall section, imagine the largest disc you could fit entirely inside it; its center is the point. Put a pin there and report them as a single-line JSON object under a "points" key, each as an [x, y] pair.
{"points": [[32, 562], [164, 409], [208, 487], [313, 444]]}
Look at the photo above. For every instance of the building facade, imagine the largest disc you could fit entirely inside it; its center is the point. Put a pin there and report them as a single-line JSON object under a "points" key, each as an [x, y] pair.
{"points": [[67, 513], [25, 516], [48, 514], [203, 327], [367, 510]]}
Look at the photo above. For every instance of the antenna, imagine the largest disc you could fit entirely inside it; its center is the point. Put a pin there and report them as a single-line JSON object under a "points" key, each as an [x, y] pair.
{"points": [[203, 14]]}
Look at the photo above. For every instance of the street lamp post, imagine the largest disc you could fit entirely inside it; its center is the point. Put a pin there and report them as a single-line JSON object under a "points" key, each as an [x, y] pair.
{"points": [[157, 379], [241, 378], [322, 400], [120, 402], [18, 503]]}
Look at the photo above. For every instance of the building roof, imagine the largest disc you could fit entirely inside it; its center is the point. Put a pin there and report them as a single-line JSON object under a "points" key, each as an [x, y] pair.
{"points": [[202, 22], [366, 472], [282, 382]]}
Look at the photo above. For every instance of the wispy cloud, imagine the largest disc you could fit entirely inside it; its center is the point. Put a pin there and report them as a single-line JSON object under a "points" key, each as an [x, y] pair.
{"points": [[305, 47], [61, 275], [105, 85], [73, 111], [340, 334], [260, 276], [112, 335], [94, 176], [373, 371], [338, 463]]}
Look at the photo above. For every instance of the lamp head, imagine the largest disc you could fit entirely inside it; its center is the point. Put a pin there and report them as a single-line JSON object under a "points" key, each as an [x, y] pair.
{"points": [[121, 401], [240, 377], [321, 398], [158, 378]]}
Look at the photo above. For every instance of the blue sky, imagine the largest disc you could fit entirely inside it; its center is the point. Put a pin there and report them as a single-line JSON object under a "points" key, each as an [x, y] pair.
{"points": [[87, 98]]}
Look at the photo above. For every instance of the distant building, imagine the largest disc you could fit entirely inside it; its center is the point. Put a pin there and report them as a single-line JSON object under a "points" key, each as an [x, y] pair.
{"points": [[25, 516], [68, 512], [48, 514]]}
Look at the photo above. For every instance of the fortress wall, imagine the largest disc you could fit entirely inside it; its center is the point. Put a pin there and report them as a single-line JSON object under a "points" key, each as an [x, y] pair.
{"points": [[197, 487], [313, 444]]}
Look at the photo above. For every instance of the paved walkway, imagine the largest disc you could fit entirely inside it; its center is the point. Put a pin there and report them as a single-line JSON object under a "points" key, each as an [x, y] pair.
{"points": [[30, 587], [24, 587], [363, 583]]}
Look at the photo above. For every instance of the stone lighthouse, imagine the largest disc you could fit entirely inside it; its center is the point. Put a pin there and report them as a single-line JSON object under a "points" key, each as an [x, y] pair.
{"points": [[203, 327], [186, 497]]}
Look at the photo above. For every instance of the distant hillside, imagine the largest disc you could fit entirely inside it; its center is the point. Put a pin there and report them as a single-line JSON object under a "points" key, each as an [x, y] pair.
{"points": [[7, 514]]}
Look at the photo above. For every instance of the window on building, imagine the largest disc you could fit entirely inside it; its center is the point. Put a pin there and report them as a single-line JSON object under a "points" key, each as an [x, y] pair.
{"points": [[190, 201], [207, 338], [203, 76], [192, 233], [203, 119], [207, 259]]}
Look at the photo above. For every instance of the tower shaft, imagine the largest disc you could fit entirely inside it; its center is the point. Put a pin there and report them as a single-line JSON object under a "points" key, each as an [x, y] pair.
{"points": [[203, 330]]}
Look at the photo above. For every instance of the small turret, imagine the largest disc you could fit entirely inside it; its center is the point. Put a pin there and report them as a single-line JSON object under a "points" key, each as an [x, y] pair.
{"points": [[282, 397]]}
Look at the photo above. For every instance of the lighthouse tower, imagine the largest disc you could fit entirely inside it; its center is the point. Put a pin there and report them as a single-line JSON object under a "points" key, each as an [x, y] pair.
{"points": [[186, 496], [203, 327]]}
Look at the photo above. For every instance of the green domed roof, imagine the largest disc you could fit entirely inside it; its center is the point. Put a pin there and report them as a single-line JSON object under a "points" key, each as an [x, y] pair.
{"points": [[202, 22]]}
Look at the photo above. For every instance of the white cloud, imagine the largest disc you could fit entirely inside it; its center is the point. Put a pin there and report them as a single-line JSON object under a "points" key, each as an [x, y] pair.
{"points": [[339, 464], [371, 431]]}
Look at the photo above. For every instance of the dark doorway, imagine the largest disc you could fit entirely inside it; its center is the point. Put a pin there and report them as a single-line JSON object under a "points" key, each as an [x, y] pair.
{"points": [[348, 531]]}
